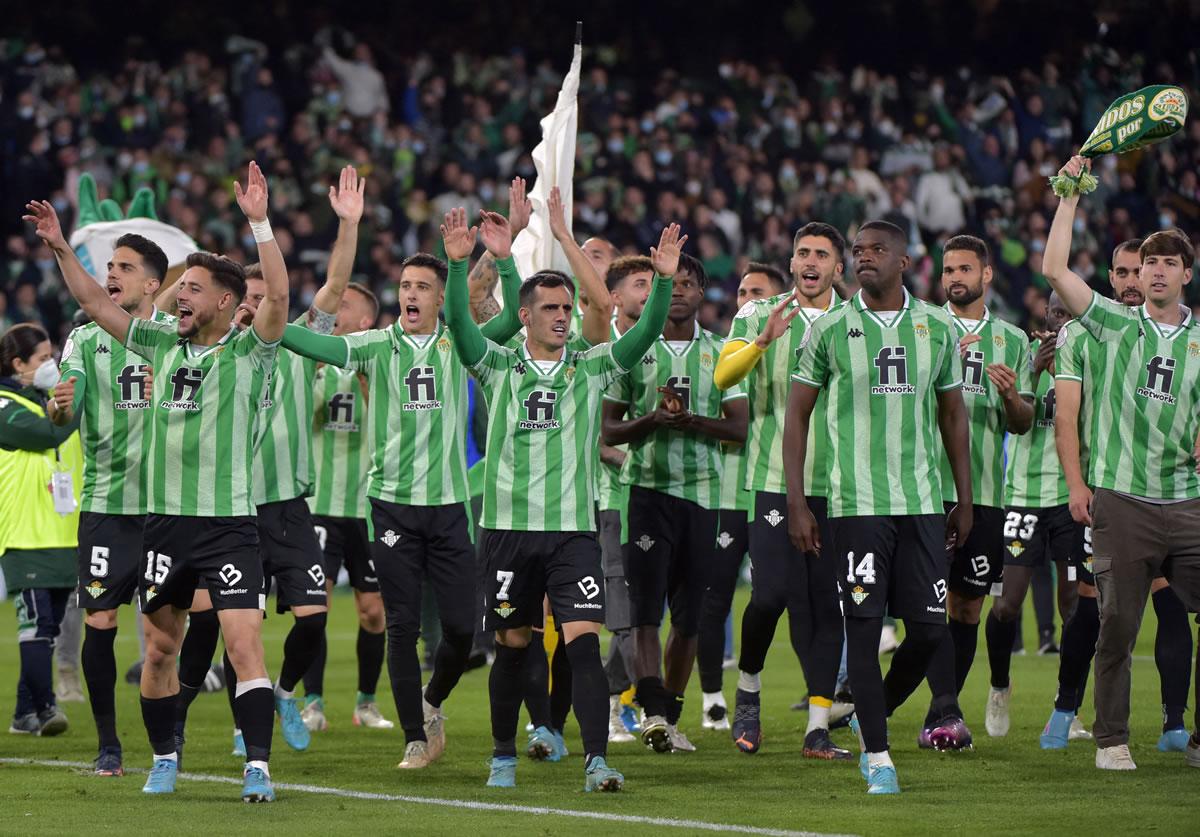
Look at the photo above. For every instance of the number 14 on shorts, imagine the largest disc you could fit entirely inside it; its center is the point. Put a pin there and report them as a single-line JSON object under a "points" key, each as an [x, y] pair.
{"points": [[860, 571]]}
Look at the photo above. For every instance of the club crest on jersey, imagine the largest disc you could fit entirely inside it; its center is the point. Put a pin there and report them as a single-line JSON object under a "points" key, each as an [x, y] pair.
{"points": [[1015, 548], [998, 341], [724, 540], [921, 330], [505, 610], [706, 360], [1193, 349], [96, 590], [390, 538], [773, 517], [569, 373], [645, 543], [443, 345], [858, 594]]}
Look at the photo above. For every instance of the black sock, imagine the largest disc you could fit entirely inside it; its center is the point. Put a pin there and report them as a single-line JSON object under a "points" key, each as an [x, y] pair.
{"points": [[536, 675], [36, 671], [651, 696], [314, 678], [966, 640], [1173, 656], [674, 706], [560, 686], [505, 685], [1000, 637], [158, 714], [862, 663], [1075, 659], [195, 658], [231, 682], [942, 683], [910, 662], [449, 663], [299, 648], [590, 695], [370, 648], [758, 629], [99, 664], [255, 710]]}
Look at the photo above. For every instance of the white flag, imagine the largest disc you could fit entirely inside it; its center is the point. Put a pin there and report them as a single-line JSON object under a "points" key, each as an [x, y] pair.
{"points": [[534, 248], [93, 244]]}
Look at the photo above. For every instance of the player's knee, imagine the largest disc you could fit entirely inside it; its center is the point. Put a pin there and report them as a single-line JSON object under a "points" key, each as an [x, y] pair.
{"points": [[1005, 610], [515, 637], [963, 609], [924, 637], [311, 627], [459, 643], [101, 620], [370, 613]]}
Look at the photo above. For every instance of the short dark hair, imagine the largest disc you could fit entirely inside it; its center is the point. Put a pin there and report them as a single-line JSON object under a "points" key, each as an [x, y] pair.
{"points": [[820, 228], [971, 243], [889, 228], [426, 260], [774, 274], [225, 272], [624, 266], [1129, 245], [1169, 243], [544, 279], [152, 255], [690, 264], [368, 294], [19, 342]]}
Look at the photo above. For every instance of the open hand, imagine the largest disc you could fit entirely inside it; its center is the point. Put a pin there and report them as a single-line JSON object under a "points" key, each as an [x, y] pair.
{"points": [[519, 206], [347, 197], [46, 224], [253, 199], [665, 257], [496, 234], [457, 236]]}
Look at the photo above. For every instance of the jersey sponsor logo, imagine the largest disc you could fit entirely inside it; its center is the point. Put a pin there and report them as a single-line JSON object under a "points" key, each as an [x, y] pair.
{"points": [[892, 363], [681, 385], [102, 350], [939, 590], [645, 543], [859, 595], [505, 610], [539, 411], [422, 389], [588, 586], [1049, 403], [230, 575], [1160, 372], [724, 540], [856, 333], [317, 573], [340, 413], [973, 373], [773, 517], [648, 360], [96, 589], [185, 385], [390, 538], [135, 391]]}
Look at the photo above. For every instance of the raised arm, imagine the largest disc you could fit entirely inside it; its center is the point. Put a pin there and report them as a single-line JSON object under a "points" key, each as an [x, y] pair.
{"points": [[271, 316], [459, 240], [802, 524], [347, 202], [598, 313], [497, 237], [324, 348], [738, 357], [1075, 293], [634, 343], [480, 282], [89, 293]]}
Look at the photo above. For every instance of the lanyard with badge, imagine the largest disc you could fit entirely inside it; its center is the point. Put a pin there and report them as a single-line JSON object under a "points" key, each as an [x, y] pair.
{"points": [[62, 487]]}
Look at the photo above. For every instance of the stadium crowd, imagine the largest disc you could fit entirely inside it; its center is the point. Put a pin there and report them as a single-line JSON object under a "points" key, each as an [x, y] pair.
{"points": [[742, 157]]}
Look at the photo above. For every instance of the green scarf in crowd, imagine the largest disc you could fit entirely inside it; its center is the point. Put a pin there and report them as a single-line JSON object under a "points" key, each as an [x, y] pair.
{"points": [[1134, 121]]}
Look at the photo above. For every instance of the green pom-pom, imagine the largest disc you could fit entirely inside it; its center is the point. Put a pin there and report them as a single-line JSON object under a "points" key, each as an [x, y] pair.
{"points": [[1066, 186]]}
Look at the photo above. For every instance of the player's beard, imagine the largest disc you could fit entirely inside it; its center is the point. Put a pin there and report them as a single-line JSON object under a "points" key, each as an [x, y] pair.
{"points": [[966, 296], [1132, 296]]}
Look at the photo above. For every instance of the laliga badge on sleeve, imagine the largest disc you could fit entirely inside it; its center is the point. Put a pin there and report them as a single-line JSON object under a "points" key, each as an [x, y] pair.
{"points": [[62, 489]]}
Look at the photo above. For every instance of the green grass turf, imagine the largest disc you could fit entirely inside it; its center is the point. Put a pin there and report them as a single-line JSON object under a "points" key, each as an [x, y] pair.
{"points": [[1007, 785]]}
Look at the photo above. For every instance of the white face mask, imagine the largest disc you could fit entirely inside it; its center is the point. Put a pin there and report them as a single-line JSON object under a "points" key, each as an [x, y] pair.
{"points": [[46, 376]]}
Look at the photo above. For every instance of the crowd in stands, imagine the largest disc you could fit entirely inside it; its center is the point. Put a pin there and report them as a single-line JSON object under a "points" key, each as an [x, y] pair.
{"points": [[741, 156]]}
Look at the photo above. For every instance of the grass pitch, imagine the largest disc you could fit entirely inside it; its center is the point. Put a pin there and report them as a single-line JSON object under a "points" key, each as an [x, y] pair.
{"points": [[1007, 785]]}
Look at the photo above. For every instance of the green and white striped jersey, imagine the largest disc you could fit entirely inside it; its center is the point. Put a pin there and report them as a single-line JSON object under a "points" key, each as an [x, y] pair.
{"points": [[1147, 402], [883, 373], [767, 385], [341, 431], [417, 396], [203, 419], [114, 418], [1075, 361], [999, 342], [543, 437], [1035, 477], [283, 465], [734, 494], [611, 493], [686, 465]]}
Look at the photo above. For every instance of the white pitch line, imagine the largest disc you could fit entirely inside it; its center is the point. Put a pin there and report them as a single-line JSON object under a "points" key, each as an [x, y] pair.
{"points": [[634, 819]]}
